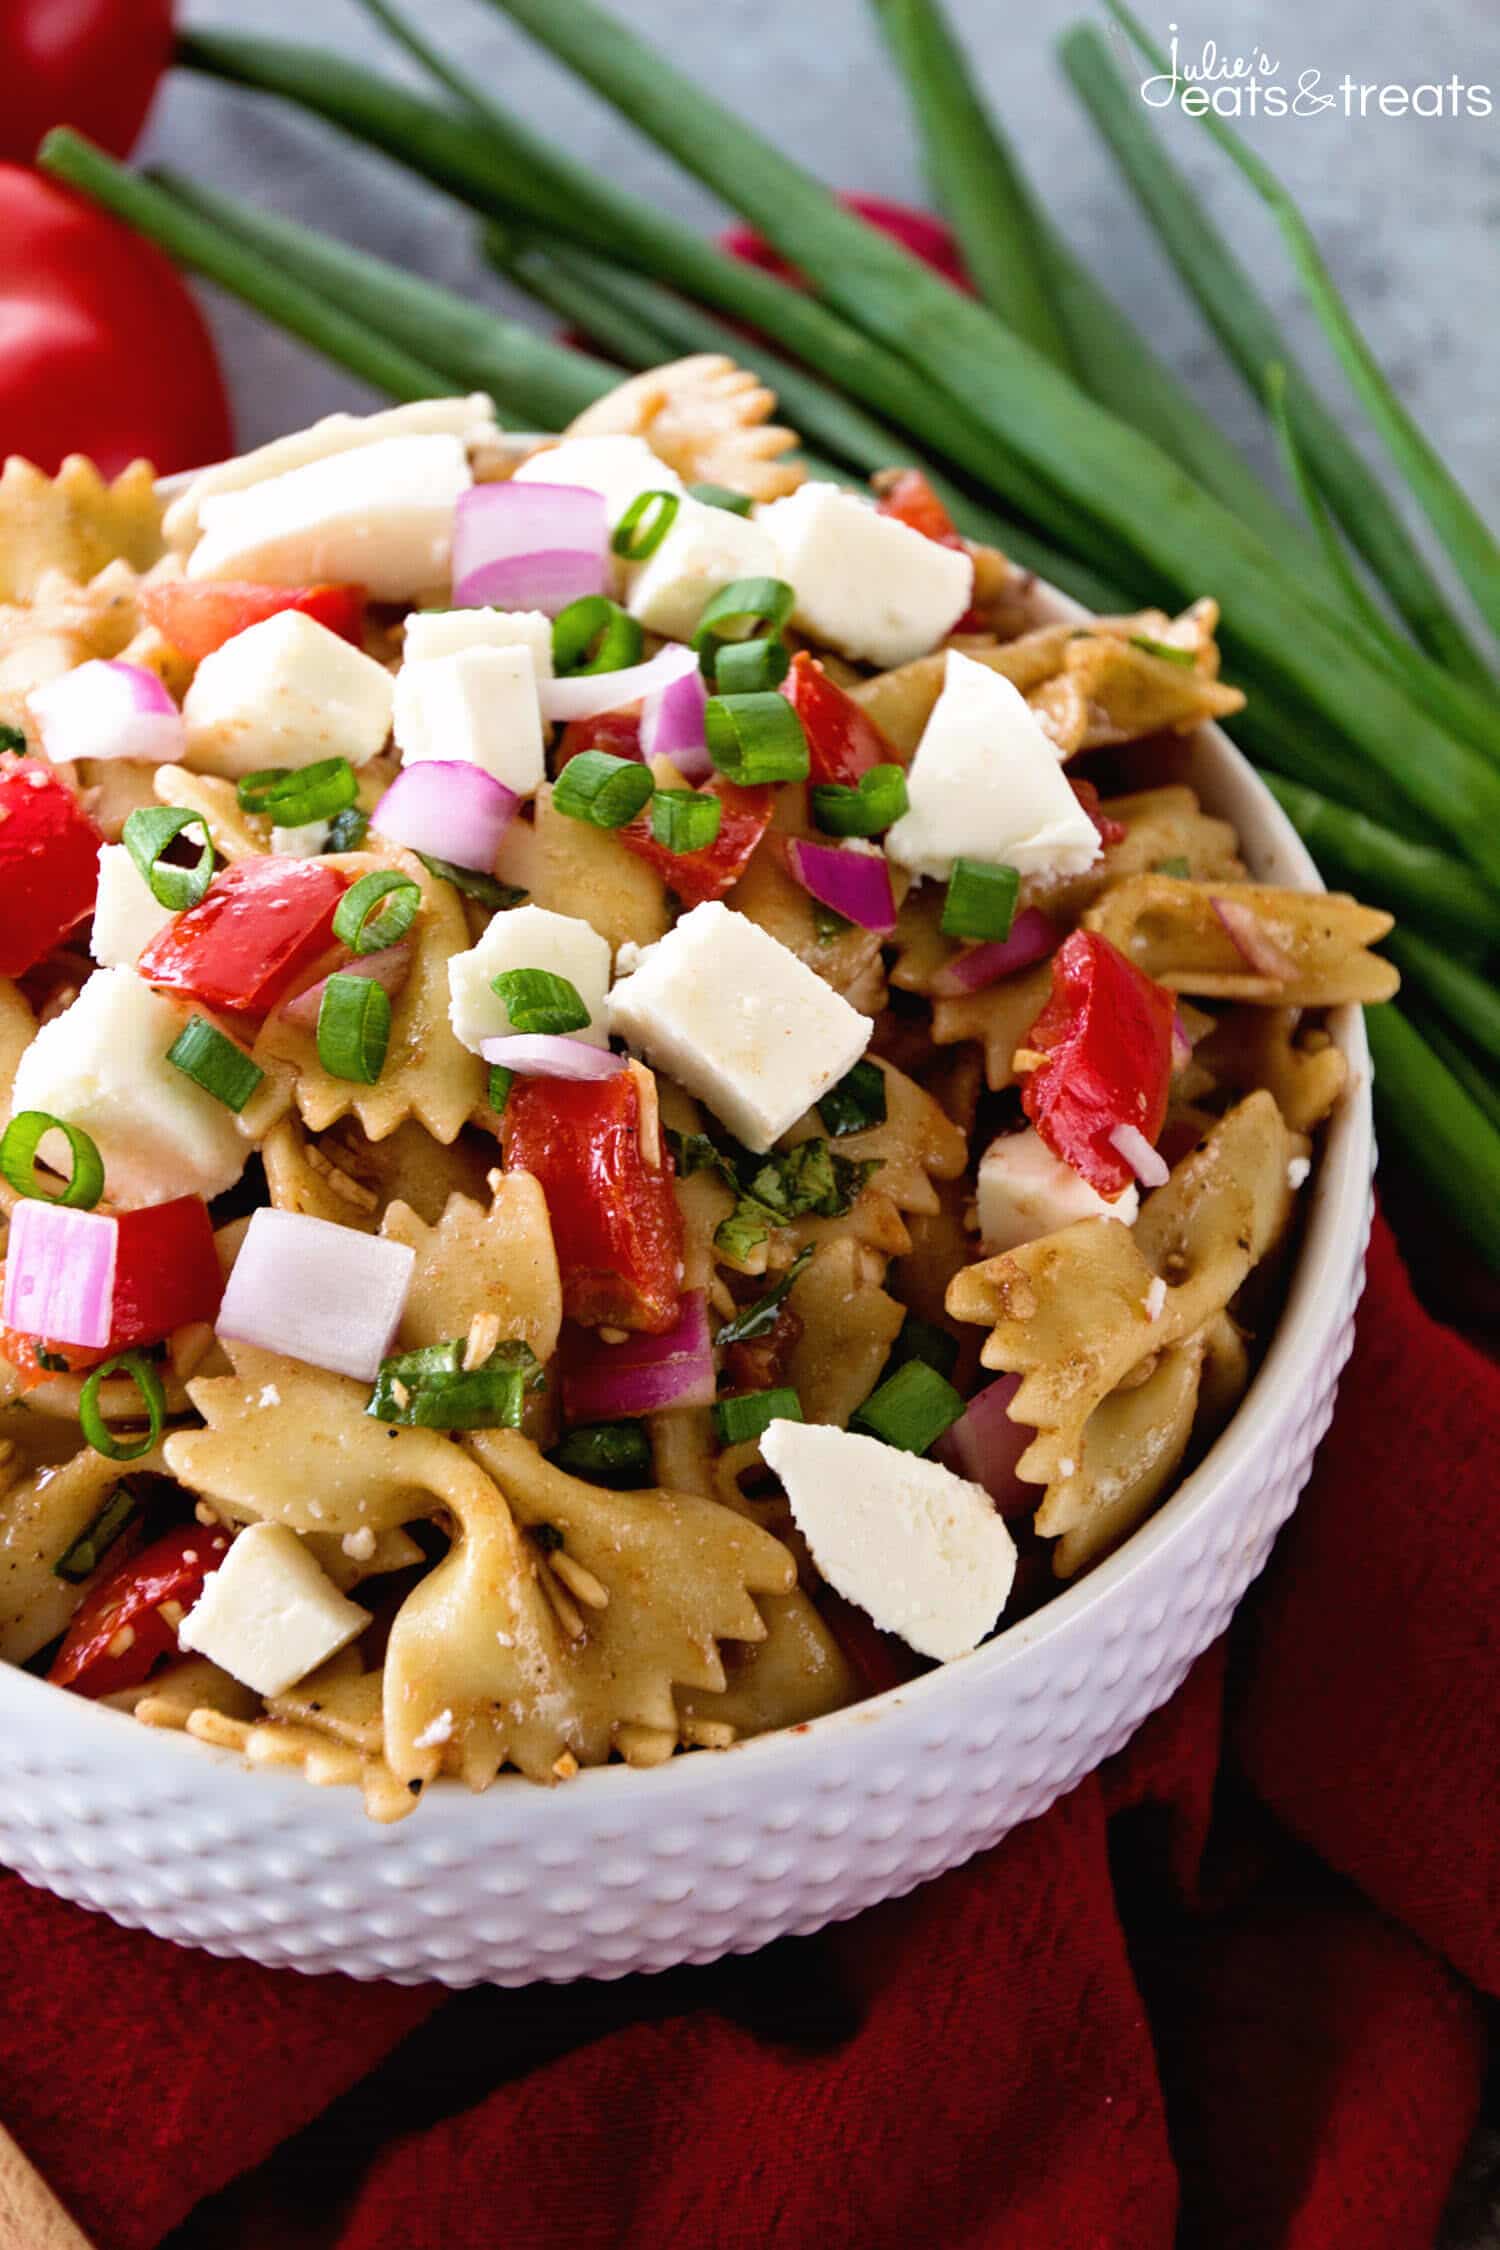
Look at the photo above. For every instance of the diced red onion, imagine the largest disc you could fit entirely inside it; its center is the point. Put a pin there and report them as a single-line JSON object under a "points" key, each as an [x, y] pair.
{"points": [[318, 1292], [60, 1273], [538, 1054], [855, 884], [646, 1373], [1149, 1167], [1252, 942], [587, 694], [390, 968], [529, 546], [448, 807], [984, 1446], [672, 725], [109, 709], [1032, 938]]}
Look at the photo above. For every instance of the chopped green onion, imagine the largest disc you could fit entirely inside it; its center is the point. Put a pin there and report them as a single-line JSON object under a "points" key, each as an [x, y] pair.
{"points": [[1176, 865], [294, 795], [594, 634], [685, 820], [742, 1419], [755, 738], [377, 911], [1168, 651], [347, 830], [354, 1029], [875, 803], [13, 740], [485, 890], [857, 1102], [431, 1389], [743, 667], [614, 1453], [722, 496], [501, 1082], [604, 791], [981, 900], [910, 1408], [538, 1000], [922, 1340], [25, 1134], [153, 1398], [760, 1318], [743, 610], [91, 1546], [201, 1052], [147, 833], [644, 525]]}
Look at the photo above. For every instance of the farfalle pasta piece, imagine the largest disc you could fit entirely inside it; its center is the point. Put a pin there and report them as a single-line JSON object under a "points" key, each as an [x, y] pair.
{"points": [[344, 1177], [73, 523], [427, 1074], [1316, 940], [40, 1517], [491, 1272], [999, 1018], [1133, 1444], [914, 1144], [849, 1324], [798, 1672], [1251, 1047], [572, 868], [708, 419], [234, 834], [17, 1030]]}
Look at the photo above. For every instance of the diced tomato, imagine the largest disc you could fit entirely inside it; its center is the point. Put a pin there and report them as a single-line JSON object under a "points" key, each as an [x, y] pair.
{"points": [[911, 500], [843, 741], [259, 926], [119, 1632], [1110, 831], [167, 1271], [616, 732], [25, 1354], [696, 876], [198, 615], [1107, 1034], [49, 863], [616, 1224]]}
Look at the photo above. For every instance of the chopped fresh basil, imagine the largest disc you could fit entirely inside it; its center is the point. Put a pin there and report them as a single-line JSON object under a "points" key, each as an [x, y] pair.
{"points": [[856, 1103], [483, 889], [431, 1389], [760, 1318]]}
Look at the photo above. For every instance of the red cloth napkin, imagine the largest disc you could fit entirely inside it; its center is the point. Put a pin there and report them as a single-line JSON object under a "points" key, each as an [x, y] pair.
{"points": [[1209, 1986]]}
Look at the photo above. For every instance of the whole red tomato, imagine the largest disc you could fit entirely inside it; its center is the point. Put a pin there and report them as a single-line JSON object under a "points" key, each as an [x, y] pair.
{"points": [[105, 352], [93, 64]]}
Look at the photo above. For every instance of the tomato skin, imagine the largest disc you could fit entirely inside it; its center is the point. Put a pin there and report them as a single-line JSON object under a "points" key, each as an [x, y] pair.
{"points": [[696, 876], [167, 1271], [617, 733], [91, 64], [172, 1569], [616, 1224], [199, 615], [911, 500], [843, 741], [1107, 1034], [49, 863], [24, 1354], [261, 924], [1110, 831]]}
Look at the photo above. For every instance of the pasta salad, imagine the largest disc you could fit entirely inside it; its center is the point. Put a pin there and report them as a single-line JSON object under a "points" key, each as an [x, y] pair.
{"points": [[638, 1099]]}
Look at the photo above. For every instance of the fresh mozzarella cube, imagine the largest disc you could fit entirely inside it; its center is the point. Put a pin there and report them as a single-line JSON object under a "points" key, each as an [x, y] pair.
{"points": [[528, 937], [985, 784], [308, 840], [1025, 1191], [705, 548], [270, 1614], [381, 516], [127, 914], [286, 692], [867, 585], [102, 1064], [619, 468], [921, 1551], [479, 707], [446, 632], [470, 419], [733, 1015]]}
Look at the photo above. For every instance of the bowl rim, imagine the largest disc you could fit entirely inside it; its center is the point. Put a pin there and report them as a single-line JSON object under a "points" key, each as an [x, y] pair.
{"points": [[1332, 1243]]}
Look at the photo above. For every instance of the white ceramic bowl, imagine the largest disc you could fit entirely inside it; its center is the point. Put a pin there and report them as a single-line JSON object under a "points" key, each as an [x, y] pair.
{"points": [[718, 1853]]}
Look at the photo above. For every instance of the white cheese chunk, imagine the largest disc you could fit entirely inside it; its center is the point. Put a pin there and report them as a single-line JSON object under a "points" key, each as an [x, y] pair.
{"points": [[127, 915], [733, 1015], [308, 840], [1024, 1191], [381, 516], [619, 468], [446, 632], [479, 707], [270, 1614], [867, 585], [985, 784], [528, 937], [704, 549], [923, 1552], [102, 1064], [286, 692]]}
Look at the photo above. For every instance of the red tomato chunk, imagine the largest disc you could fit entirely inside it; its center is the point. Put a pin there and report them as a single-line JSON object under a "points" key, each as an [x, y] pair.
{"points": [[49, 864], [1107, 1034], [128, 1622], [262, 924]]}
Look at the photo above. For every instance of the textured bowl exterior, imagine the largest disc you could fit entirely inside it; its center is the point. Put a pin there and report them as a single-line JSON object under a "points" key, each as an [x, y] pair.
{"points": [[717, 1853]]}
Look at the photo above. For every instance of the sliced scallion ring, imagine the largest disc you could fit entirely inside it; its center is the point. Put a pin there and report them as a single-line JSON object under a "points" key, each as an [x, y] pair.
{"points": [[746, 609], [981, 899], [540, 1001], [722, 496], [603, 790], [354, 1029], [738, 1420], [755, 738], [685, 820], [201, 1052], [153, 1398], [89, 1549], [147, 833], [25, 1134], [294, 795], [874, 804], [377, 911], [594, 634], [744, 667], [644, 525]]}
